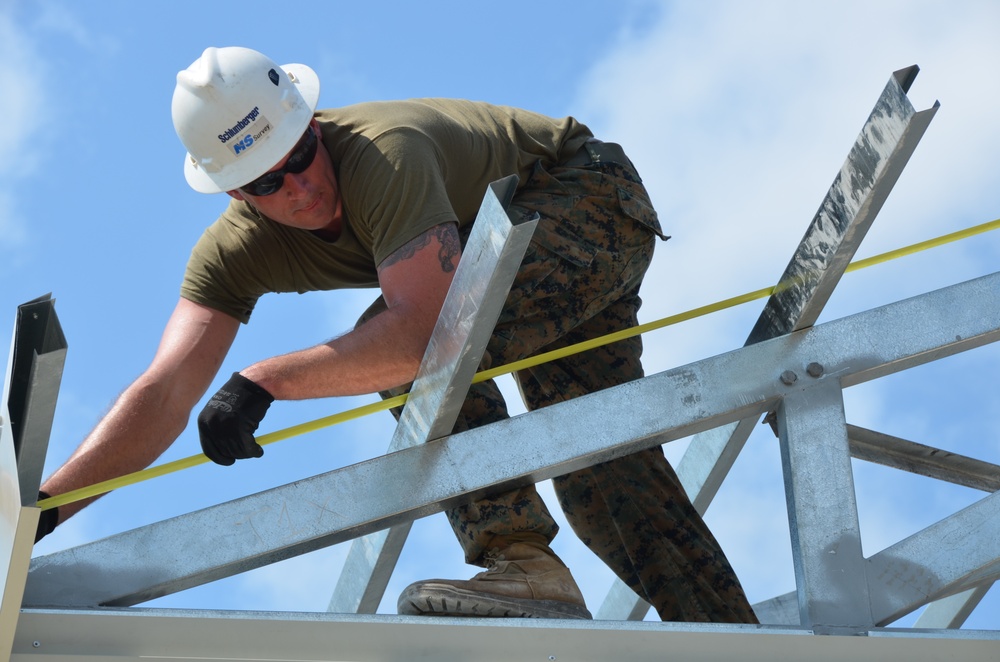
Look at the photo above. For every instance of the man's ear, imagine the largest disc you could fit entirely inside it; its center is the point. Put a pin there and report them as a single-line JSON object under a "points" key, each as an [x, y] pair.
{"points": [[236, 194]]}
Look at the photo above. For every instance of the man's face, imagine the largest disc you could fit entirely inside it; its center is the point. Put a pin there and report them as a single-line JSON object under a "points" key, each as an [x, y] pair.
{"points": [[309, 200]]}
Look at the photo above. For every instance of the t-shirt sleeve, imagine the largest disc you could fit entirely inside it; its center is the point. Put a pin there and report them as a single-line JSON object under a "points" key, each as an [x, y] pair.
{"points": [[401, 181], [223, 273]]}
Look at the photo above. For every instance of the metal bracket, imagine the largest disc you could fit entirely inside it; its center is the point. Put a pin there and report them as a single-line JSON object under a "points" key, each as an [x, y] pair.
{"points": [[34, 372]]}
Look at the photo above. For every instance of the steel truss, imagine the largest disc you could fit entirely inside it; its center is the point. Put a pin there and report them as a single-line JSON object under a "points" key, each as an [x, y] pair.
{"points": [[79, 603]]}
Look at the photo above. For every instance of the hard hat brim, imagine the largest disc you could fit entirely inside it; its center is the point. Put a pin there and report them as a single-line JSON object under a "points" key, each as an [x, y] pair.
{"points": [[307, 84]]}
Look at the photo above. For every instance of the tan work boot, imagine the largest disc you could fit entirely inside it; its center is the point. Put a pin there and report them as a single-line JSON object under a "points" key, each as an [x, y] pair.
{"points": [[522, 580]]}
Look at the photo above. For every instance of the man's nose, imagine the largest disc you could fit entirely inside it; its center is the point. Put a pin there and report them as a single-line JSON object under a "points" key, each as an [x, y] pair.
{"points": [[295, 183]]}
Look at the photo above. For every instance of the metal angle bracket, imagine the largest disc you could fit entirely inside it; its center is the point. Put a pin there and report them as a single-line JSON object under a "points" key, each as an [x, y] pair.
{"points": [[17, 529], [31, 388], [482, 281], [34, 371]]}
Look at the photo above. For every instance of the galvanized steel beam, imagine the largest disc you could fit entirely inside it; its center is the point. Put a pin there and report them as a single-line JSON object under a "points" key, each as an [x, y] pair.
{"points": [[31, 388], [112, 635], [881, 151], [858, 192], [779, 610], [31, 384], [957, 555], [822, 510], [924, 460], [950, 556], [17, 531], [256, 530], [490, 261], [951, 612]]}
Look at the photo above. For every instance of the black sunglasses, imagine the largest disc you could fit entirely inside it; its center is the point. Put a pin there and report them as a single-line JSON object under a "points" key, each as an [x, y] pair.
{"points": [[300, 159]]}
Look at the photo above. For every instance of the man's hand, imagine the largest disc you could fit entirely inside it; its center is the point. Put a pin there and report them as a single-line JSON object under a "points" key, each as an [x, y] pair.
{"points": [[227, 423], [47, 520]]}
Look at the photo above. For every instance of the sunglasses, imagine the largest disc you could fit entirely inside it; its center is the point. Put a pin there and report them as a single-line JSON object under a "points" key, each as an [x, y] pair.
{"points": [[300, 159]]}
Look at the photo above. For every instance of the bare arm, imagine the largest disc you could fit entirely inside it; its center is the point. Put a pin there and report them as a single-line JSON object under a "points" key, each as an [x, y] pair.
{"points": [[152, 412], [385, 351]]}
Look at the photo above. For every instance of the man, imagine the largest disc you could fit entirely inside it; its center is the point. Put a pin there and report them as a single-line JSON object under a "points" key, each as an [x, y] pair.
{"points": [[382, 195]]}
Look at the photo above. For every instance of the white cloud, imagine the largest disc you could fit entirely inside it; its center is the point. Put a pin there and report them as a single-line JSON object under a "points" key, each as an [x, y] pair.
{"points": [[22, 104], [22, 107], [60, 19]]}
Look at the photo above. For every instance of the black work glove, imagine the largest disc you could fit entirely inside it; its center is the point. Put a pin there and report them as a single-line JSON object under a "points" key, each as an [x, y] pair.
{"points": [[47, 520], [227, 423]]}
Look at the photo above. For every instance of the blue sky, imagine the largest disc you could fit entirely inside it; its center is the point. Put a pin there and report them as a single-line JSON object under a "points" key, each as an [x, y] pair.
{"points": [[739, 115]]}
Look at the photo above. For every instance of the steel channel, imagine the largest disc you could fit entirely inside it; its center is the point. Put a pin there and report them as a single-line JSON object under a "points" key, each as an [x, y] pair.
{"points": [[822, 510], [952, 611], [490, 261], [953, 555], [201, 635], [904, 455], [10, 512], [31, 384], [857, 194], [34, 373], [779, 610]]}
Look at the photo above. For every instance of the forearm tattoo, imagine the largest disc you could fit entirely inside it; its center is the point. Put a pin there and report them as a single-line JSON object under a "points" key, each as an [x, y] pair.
{"points": [[446, 235]]}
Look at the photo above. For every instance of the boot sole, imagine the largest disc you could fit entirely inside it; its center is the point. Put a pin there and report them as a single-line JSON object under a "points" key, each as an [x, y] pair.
{"points": [[444, 600]]}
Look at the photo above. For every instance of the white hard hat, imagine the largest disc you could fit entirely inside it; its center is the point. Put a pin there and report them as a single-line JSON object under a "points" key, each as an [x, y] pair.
{"points": [[238, 114]]}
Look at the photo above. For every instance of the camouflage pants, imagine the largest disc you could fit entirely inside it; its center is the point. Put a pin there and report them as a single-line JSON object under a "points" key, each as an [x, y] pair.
{"points": [[580, 279]]}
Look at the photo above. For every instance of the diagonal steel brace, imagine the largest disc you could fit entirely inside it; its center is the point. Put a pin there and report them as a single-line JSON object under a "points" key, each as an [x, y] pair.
{"points": [[489, 263]]}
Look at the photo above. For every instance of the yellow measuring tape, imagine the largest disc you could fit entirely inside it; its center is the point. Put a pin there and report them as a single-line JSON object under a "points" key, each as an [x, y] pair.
{"points": [[365, 410]]}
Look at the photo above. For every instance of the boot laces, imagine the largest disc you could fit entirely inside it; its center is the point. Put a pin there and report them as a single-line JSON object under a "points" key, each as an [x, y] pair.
{"points": [[492, 558]]}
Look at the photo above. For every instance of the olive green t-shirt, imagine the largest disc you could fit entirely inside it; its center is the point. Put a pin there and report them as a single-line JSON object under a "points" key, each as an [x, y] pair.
{"points": [[403, 167]]}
